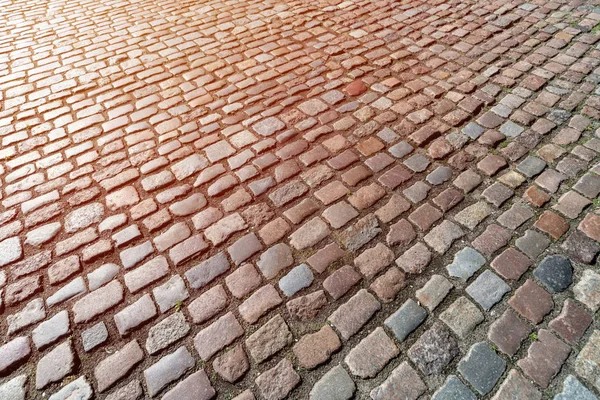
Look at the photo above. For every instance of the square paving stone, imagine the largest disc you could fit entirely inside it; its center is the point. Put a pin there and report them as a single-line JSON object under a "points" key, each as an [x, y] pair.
{"points": [[434, 291], [406, 319], [403, 383], [488, 289], [417, 163], [435, 349], [440, 175], [453, 389], [492, 239], [572, 322], [571, 204], [516, 387], [462, 317], [511, 129], [467, 181], [508, 331], [511, 264], [552, 224], [587, 290], [588, 185], [574, 390], [335, 384], [516, 216], [417, 192], [550, 180], [532, 243], [545, 358], [472, 215], [531, 166], [580, 247], [482, 367], [531, 301], [466, 262], [497, 194]]}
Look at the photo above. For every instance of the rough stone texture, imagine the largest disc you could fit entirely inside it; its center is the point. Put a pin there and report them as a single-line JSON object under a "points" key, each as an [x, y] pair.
{"points": [[14, 353], [216, 336], [587, 290], [516, 387], [277, 382], [587, 364], [481, 367], [232, 365], [197, 386], [167, 369], [116, 366], [316, 348], [269, 339], [167, 331], [573, 389], [335, 384], [544, 358], [453, 389], [433, 350], [371, 354], [406, 319], [462, 317], [78, 389], [403, 382], [353, 314]]}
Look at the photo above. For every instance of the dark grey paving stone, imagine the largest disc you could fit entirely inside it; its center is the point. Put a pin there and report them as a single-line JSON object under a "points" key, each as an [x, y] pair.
{"points": [[482, 367], [406, 319], [555, 273], [454, 389]]}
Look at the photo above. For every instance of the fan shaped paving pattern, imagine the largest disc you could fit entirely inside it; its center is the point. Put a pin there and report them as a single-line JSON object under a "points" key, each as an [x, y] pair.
{"points": [[305, 200]]}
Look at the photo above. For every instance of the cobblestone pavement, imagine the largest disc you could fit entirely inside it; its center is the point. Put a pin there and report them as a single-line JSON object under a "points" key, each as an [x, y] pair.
{"points": [[305, 199]]}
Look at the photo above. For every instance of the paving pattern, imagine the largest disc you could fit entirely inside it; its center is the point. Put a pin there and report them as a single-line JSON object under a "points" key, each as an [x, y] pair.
{"points": [[316, 200]]}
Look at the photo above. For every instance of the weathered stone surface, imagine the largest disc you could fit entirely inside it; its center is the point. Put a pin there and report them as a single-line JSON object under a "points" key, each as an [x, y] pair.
{"points": [[14, 389], [307, 307], [197, 386], [353, 314], [573, 389], [277, 382], [116, 366], [232, 365], [403, 382], [406, 319], [316, 348], [481, 367], [14, 353], [217, 335], [269, 339], [335, 384], [166, 332], [79, 389], [97, 302], [168, 369], [55, 365], [434, 350], [587, 364], [516, 387], [453, 389], [371, 354], [544, 358]]}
